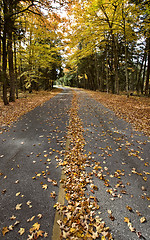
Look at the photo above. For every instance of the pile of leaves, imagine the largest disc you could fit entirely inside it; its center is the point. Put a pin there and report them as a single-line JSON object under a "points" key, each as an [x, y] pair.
{"points": [[80, 219], [134, 109], [24, 104]]}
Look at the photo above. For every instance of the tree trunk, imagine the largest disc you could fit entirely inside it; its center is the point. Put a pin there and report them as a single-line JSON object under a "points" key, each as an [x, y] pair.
{"points": [[97, 71], [11, 68], [30, 60], [0, 42], [112, 70], [107, 69], [148, 68], [138, 86], [4, 67], [15, 61], [10, 55], [126, 50], [115, 43], [143, 78], [0, 45]]}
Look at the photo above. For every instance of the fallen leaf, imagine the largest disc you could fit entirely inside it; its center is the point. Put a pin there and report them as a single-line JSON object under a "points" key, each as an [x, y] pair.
{"points": [[17, 194], [21, 231], [139, 234], [18, 206], [45, 234], [31, 219], [16, 223], [138, 213], [126, 220], [39, 233], [143, 219], [45, 186], [12, 217], [10, 227], [36, 226], [53, 194], [5, 230], [39, 216], [3, 191], [17, 181], [129, 208]]}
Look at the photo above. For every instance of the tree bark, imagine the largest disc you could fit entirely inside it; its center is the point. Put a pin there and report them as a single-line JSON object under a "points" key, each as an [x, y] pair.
{"points": [[116, 64], [0, 42], [138, 86], [143, 78], [10, 54], [15, 61], [4, 67], [148, 68]]}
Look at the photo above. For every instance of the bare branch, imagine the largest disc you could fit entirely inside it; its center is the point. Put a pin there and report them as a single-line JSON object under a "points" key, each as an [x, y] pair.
{"points": [[24, 10]]}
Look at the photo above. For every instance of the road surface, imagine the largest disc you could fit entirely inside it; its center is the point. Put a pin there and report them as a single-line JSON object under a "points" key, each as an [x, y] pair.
{"points": [[29, 172]]}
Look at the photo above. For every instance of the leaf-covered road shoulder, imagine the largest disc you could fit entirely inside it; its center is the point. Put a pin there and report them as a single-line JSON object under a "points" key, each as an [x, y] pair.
{"points": [[25, 103], [135, 110]]}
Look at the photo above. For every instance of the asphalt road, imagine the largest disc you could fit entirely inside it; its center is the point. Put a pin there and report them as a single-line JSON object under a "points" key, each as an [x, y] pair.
{"points": [[124, 157], [28, 162], [28, 157]]}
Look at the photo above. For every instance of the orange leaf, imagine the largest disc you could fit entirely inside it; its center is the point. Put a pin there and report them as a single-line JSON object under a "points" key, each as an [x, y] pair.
{"points": [[126, 220], [5, 230], [40, 233]]}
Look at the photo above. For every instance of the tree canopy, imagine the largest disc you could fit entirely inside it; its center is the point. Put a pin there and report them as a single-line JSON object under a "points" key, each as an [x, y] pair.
{"points": [[109, 44], [103, 45]]}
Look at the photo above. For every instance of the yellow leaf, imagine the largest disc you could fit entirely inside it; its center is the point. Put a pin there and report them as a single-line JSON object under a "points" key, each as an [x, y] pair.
{"points": [[38, 175], [65, 234], [12, 217], [72, 230], [28, 203], [44, 186], [10, 227], [45, 234], [36, 226], [17, 194], [31, 219], [132, 229], [21, 231], [109, 212], [39, 216], [103, 238], [18, 206], [145, 179], [85, 76], [16, 223], [48, 160], [143, 219]]}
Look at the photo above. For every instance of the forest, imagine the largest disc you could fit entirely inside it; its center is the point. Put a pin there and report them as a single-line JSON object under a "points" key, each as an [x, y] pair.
{"points": [[99, 45]]}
